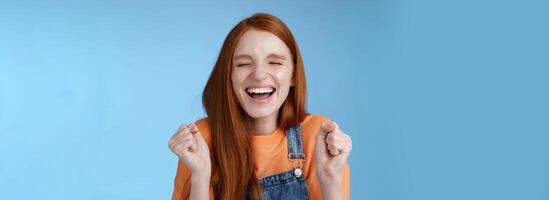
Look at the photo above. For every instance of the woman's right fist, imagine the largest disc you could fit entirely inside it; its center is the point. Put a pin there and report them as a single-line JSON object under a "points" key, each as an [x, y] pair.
{"points": [[189, 145]]}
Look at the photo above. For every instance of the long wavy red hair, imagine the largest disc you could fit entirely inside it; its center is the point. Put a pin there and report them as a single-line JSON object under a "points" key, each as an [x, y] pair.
{"points": [[232, 156]]}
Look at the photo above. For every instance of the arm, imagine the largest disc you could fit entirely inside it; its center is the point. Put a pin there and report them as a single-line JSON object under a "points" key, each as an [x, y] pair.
{"points": [[331, 188], [200, 185], [336, 187], [331, 151], [193, 152]]}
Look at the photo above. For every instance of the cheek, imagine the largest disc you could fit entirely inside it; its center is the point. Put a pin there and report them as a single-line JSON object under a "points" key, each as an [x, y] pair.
{"points": [[284, 81], [284, 78], [237, 78]]}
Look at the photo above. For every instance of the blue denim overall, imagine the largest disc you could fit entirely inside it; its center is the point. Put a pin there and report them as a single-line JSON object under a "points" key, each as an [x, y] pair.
{"points": [[290, 184]]}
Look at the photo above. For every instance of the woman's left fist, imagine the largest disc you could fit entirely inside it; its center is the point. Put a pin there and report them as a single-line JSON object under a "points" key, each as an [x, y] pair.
{"points": [[331, 151]]}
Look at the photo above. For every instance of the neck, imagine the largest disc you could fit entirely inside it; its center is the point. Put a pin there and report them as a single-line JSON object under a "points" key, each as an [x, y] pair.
{"points": [[263, 126]]}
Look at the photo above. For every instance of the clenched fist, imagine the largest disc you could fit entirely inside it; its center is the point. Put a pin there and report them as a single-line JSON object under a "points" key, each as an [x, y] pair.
{"points": [[331, 151], [191, 148]]}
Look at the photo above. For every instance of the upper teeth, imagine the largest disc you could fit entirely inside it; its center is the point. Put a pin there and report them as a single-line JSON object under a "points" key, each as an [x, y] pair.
{"points": [[260, 90]]}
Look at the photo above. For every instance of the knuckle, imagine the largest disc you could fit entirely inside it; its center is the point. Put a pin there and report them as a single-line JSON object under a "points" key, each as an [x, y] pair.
{"points": [[183, 126], [172, 143], [330, 138]]}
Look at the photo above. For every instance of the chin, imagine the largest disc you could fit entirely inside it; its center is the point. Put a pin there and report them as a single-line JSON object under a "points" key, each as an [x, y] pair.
{"points": [[258, 113]]}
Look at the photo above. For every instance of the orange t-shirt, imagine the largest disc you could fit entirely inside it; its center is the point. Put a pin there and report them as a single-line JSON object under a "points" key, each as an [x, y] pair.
{"points": [[271, 157]]}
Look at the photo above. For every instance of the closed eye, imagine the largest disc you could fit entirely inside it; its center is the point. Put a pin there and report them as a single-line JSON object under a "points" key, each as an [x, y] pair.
{"points": [[243, 64], [275, 63]]}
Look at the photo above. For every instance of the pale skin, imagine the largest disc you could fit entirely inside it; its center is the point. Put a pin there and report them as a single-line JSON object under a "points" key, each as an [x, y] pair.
{"points": [[262, 60]]}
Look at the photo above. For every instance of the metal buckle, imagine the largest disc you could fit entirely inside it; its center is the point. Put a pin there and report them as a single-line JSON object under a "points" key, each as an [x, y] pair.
{"points": [[297, 167]]}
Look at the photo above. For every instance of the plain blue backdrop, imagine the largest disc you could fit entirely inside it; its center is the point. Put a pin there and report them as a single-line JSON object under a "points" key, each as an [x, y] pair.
{"points": [[443, 99]]}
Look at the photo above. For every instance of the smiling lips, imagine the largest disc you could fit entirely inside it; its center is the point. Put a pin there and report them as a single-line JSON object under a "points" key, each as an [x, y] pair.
{"points": [[260, 94]]}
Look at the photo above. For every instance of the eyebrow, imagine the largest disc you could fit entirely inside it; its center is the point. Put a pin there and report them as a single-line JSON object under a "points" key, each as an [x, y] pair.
{"points": [[274, 55], [242, 56]]}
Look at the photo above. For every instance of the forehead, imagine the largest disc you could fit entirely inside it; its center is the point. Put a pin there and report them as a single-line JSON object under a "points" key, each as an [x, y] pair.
{"points": [[261, 43]]}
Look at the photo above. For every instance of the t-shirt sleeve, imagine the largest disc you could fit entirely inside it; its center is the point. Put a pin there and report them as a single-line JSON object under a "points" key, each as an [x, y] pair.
{"points": [[346, 181], [181, 184]]}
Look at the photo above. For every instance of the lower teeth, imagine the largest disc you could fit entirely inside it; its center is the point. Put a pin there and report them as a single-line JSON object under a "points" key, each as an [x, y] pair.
{"points": [[260, 95]]}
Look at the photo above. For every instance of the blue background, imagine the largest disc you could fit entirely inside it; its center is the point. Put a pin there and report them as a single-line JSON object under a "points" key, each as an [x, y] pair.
{"points": [[443, 99]]}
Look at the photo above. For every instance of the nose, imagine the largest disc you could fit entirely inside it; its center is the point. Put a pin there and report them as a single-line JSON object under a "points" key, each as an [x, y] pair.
{"points": [[259, 72]]}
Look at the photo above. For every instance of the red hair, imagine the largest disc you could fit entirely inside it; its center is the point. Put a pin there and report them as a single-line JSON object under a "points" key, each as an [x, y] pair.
{"points": [[232, 159]]}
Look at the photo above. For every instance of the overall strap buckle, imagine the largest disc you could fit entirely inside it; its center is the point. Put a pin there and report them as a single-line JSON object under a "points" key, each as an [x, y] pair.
{"points": [[295, 149]]}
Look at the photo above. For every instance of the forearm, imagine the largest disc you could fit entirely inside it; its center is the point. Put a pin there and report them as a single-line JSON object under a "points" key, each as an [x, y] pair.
{"points": [[331, 188], [200, 185]]}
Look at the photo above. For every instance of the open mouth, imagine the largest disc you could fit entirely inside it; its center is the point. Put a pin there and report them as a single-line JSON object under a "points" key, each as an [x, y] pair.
{"points": [[260, 93]]}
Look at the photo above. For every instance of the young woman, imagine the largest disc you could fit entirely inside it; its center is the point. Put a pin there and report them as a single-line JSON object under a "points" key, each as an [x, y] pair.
{"points": [[258, 142]]}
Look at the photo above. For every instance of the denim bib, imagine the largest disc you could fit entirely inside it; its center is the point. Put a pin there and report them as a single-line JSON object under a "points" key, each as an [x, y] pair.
{"points": [[290, 184]]}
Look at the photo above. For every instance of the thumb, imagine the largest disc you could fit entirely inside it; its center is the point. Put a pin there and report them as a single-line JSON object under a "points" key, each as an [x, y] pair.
{"points": [[197, 135], [328, 127], [323, 131]]}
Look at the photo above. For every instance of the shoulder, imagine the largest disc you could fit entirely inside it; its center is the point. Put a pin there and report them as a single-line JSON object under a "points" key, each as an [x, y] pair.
{"points": [[202, 123], [313, 121], [311, 124]]}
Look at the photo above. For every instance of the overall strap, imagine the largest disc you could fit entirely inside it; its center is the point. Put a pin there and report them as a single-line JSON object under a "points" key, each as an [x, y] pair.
{"points": [[295, 145]]}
